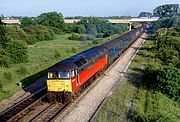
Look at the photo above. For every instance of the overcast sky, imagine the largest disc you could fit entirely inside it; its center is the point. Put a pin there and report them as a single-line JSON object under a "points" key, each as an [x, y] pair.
{"points": [[80, 7]]}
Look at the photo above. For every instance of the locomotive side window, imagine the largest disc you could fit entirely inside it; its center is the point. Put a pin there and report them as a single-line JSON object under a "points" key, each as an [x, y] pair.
{"points": [[75, 72], [72, 73]]}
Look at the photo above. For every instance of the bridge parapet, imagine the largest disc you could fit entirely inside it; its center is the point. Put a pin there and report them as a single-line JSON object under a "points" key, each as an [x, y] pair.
{"points": [[12, 22]]}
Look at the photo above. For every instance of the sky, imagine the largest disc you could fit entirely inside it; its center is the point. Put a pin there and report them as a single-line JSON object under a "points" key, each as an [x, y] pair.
{"points": [[80, 7]]}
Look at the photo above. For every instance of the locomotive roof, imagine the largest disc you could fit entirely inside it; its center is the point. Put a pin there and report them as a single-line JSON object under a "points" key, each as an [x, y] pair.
{"points": [[79, 59]]}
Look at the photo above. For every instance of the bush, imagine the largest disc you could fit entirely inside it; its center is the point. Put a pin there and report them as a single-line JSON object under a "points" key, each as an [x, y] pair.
{"points": [[169, 81], [22, 70], [38, 33], [15, 33], [17, 51], [30, 40], [8, 76], [5, 61], [73, 50], [57, 55], [155, 107], [75, 37]]}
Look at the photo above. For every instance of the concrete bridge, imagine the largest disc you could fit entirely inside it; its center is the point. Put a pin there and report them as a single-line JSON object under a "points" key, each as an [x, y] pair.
{"points": [[120, 21], [114, 21], [11, 22]]}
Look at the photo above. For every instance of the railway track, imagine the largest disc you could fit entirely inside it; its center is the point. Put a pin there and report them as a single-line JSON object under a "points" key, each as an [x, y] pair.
{"points": [[12, 112], [49, 113]]}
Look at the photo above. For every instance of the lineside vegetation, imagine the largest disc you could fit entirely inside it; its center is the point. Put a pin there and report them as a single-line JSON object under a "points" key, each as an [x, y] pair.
{"points": [[151, 88]]}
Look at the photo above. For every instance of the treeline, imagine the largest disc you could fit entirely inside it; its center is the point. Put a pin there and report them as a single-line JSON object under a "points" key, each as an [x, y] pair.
{"points": [[164, 73], [159, 93], [45, 27], [99, 28]]}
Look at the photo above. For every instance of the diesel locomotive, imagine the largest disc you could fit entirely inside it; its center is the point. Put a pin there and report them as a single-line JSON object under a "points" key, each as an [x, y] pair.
{"points": [[67, 78]]}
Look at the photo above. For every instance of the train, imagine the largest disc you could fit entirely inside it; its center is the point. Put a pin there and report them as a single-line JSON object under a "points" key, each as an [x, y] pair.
{"points": [[67, 78]]}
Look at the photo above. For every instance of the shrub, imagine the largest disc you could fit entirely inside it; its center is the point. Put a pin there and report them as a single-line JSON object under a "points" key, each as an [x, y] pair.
{"points": [[1, 87], [75, 37], [57, 55], [155, 107], [5, 61], [22, 70], [39, 33], [169, 81], [7, 76], [15, 33], [73, 50], [30, 40], [17, 51]]}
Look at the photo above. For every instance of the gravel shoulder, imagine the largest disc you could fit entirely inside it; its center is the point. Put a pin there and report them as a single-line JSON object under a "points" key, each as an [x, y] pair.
{"points": [[85, 106]]}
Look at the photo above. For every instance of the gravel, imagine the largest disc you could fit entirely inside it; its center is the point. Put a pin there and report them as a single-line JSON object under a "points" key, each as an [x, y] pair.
{"points": [[84, 107]]}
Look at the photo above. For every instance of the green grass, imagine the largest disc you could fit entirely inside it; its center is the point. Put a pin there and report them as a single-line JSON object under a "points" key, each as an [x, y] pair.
{"points": [[117, 104], [155, 106], [147, 105], [42, 55]]}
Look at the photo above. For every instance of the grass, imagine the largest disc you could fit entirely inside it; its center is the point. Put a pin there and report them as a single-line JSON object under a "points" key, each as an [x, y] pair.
{"points": [[42, 55], [117, 104], [155, 106], [131, 102]]}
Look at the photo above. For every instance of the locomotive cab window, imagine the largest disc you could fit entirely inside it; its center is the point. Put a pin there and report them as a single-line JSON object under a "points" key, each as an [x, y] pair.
{"points": [[73, 73], [63, 74], [50, 75]]}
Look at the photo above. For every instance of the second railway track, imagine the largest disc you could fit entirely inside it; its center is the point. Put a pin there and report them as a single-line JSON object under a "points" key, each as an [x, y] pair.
{"points": [[24, 104]]}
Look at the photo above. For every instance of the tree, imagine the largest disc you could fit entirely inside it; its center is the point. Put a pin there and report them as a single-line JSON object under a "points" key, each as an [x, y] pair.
{"points": [[166, 10], [169, 81], [145, 14], [3, 37], [52, 19], [26, 21], [80, 29], [17, 51]]}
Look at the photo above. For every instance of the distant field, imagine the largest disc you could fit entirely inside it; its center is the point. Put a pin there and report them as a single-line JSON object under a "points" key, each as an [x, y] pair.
{"points": [[41, 56]]}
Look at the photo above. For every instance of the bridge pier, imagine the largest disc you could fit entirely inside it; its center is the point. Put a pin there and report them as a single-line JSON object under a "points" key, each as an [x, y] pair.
{"points": [[130, 26]]}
